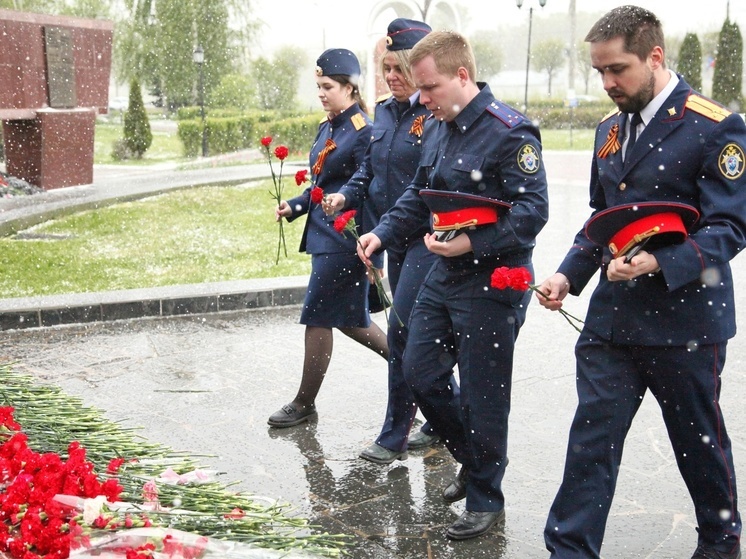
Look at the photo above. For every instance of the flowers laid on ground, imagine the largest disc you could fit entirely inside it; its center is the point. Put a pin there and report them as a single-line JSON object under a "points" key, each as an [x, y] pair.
{"points": [[520, 280], [280, 152], [345, 223], [56, 504]]}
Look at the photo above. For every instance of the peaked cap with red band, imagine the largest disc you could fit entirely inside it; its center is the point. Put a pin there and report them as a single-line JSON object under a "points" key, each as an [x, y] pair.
{"points": [[458, 210], [656, 223]]}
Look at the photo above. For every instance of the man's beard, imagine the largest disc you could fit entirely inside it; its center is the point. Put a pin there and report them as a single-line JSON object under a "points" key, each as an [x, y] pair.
{"points": [[639, 100]]}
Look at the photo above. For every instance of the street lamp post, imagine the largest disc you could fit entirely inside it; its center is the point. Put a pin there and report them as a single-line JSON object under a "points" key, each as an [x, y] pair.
{"points": [[519, 3], [199, 58]]}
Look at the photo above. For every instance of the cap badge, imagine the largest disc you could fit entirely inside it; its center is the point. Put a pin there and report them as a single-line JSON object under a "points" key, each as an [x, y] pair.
{"points": [[731, 161], [389, 41], [528, 159], [319, 71]]}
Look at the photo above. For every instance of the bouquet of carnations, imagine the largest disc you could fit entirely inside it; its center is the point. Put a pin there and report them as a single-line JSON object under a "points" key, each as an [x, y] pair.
{"points": [[280, 152]]}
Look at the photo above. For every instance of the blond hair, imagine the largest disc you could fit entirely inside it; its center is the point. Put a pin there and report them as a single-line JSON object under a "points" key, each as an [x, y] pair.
{"points": [[450, 51], [402, 59]]}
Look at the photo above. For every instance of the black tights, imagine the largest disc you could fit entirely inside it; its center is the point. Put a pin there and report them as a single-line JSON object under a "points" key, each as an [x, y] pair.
{"points": [[319, 344]]}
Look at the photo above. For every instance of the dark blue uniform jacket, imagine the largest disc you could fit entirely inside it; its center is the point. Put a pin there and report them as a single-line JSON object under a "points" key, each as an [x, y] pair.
{"points": [[691, 152]]}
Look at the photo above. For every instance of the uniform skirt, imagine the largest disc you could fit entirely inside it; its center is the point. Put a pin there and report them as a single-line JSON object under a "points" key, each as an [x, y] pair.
{"points": [[337, 295]]}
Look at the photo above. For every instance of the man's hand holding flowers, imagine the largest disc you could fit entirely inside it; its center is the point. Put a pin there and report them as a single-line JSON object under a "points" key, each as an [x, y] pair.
{"points": [[552, 291]]}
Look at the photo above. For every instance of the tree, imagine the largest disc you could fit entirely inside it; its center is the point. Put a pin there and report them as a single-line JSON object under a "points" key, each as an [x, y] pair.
{"points": [[77, 8], [584, 65], [690, 61], [235, 91], [487, 53], [673, 52], [277, 81], [155, 40], [726, 82], [549, 56], [137, 134]]}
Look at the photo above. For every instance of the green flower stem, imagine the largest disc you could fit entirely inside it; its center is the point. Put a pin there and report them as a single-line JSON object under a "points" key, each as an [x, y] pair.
{"points": [[52, 420], [568, 317]]}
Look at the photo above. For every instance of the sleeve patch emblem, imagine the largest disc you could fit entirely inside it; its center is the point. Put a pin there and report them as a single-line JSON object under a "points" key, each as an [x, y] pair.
{"points": [[528, 159], [731, 161]]}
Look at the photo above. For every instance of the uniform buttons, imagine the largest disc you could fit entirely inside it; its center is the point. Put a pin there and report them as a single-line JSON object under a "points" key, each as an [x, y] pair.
{"points": [[623, 186]]}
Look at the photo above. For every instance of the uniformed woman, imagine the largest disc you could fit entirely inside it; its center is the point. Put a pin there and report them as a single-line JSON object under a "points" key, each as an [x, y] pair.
{"points": [[337, 295], [388, 168]]}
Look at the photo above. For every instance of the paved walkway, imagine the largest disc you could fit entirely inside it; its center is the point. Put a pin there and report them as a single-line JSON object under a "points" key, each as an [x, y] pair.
{"points": [[206, 383]]}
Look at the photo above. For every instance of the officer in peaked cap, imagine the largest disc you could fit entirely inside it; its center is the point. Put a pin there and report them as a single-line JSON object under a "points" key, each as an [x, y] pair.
{"points": [[389, 166], [338, 289], [338, 62]]}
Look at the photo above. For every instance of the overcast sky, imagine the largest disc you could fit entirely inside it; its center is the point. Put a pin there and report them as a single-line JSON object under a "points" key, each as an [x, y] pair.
{"points": [[331, 23]]}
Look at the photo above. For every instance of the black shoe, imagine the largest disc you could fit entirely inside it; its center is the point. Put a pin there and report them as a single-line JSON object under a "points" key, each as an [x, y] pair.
{"points": [[290, 415], [456, 490], [707, 552], [381, 455], [422, 440], [472, 524]]}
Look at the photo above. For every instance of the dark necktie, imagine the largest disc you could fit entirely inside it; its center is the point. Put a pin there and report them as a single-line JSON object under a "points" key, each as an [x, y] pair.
{"points": [[636, 119], [400, 107]]}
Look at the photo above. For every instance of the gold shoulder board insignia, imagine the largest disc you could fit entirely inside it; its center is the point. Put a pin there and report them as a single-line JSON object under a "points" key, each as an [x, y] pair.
{"points": [[323, 120], [383, 97], [358, 121], [610, 114], [707, 108]]}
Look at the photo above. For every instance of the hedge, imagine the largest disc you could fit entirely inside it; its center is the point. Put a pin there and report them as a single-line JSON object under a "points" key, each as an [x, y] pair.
{"points": [[227, 130], [227, 134]]}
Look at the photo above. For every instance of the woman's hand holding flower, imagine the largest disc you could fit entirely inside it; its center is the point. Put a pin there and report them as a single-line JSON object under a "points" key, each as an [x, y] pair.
{"points": [[283, 210], [333, 203]]}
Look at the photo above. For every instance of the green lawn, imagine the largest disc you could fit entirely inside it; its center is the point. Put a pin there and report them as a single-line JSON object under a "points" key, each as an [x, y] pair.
{"points": [[200, 235], [190, 236]]}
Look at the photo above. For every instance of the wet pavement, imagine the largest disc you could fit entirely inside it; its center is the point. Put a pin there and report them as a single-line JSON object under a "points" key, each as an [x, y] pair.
{"points": [[206, 384]]}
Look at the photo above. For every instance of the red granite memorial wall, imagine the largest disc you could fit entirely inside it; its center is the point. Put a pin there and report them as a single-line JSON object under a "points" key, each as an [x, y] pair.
{"points": [[54, 78]]}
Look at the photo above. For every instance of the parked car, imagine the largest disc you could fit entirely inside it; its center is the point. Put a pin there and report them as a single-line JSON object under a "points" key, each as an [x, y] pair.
{"points": [[118, 104]]}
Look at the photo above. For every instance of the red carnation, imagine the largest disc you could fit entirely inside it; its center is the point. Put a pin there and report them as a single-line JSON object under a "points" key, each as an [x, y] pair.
{"points": [[266, 141], [317, 195], [519, 279], [499, 279], [340, 224], [514, 278], [300, 177], [281, 152], [114, 465]]}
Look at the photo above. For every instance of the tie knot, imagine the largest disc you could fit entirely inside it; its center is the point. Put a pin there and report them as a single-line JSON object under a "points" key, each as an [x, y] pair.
{"points": [[636, 119]]}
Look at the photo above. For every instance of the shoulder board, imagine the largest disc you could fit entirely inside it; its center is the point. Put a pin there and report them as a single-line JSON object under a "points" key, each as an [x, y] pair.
{"points": [[358, 121], [509, 116], [323, 120], [707, 108], [610, 114], [383, 97]]}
